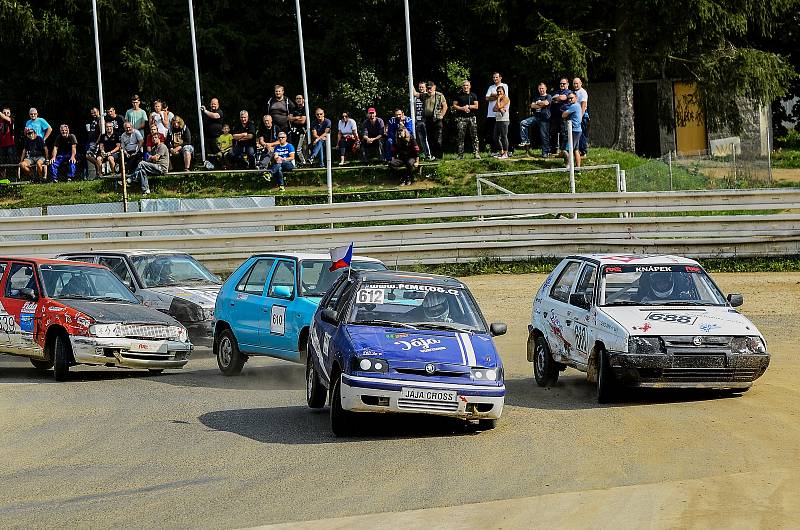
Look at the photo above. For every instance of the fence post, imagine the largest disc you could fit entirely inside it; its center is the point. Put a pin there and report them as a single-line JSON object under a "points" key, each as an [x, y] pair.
{"points": [[669, 159], [733, 153], [124, 182], [624, 189]]}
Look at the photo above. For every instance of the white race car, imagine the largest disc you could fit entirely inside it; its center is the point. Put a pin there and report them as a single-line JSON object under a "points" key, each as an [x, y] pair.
{"points": [[646, 321]]}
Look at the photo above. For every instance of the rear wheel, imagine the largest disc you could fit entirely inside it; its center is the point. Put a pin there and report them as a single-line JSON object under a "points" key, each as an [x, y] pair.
{"points": [[62, 358], [315, 392], [341, 420], [606, 385], [545, 369], [42, 366], [229, 359]]}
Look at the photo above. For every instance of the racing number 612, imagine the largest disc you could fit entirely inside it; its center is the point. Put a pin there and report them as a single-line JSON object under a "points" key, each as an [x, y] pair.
{"points": [[370, 296]]}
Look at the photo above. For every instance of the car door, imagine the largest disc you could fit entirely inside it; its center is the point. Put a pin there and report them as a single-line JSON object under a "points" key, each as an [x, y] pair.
{"points": [[579, 329], [322, 332], [7, 322], [558, 311], [246, 305], [120, 268], [282, 325], [26, 312]]}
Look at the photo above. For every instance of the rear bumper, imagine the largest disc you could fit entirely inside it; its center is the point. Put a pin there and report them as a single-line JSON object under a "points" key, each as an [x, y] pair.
{"points": [[361, 394], [688, 371], [130, 353]]}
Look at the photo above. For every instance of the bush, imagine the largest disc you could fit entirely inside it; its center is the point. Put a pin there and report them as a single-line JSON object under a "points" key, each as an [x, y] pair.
{"points": [[790, 141]]}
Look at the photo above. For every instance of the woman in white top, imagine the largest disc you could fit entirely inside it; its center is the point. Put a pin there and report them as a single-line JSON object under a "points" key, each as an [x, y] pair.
{"points": [[160, 117], [348, 136], [501, 121]]}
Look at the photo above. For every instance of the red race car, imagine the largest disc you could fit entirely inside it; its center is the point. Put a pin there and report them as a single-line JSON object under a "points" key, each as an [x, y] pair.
{"points": [[63, 313]]}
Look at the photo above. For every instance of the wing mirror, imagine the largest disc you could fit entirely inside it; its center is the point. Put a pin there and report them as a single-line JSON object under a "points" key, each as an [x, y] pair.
{"points": [[329, 316], [28, 294], [579, 300], [735, 300], [282, 291], [497, 328]]}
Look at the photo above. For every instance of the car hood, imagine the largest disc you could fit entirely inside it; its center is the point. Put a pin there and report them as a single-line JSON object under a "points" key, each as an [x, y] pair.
{"points": [[677, 320], [113, 312], [203, 295], [402, 344]]}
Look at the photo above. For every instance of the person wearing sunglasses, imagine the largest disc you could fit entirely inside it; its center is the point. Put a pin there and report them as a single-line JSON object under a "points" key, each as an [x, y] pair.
{"points": [[283, 159], [38, 124]]}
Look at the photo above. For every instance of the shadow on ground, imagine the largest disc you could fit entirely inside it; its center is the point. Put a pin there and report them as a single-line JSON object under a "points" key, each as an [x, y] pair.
{"points": [[277, 376]]}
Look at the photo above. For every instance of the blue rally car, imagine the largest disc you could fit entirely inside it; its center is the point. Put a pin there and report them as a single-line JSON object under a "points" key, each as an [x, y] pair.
{"points": [[389, 341], [265, 307]]}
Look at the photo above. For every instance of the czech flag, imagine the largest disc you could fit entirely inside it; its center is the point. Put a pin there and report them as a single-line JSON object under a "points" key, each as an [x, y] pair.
{"points": [[341, 257]]}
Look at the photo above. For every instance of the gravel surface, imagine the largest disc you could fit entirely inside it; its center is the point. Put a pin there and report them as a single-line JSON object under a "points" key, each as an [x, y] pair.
{"points": [[191, 448]]}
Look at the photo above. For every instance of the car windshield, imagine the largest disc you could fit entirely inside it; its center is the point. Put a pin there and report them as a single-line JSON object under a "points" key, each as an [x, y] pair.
{"points": [[416, 306], [316, 277], [658, 285], [162, 270], [84, 283]]}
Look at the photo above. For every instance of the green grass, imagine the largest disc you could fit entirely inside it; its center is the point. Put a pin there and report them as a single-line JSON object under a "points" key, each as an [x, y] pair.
{"points": [[786, 158]]}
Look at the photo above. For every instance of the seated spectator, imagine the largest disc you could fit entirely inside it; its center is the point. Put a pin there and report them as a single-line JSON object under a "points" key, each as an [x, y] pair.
{"points": [[161, 117], [8, 148], [40, 125], [131, 141], [267, 139], [93, 132], [33, 154], [372, 131], [179, 142], [540, 117], [64, 150], [244, 141], [148, 141], [348, 137], [136, 115], [297, 129], [223, 145], [405, 156], [283, 159], [117, 121], [157, 164], [396, 122], [108, 151], [320, 134]]}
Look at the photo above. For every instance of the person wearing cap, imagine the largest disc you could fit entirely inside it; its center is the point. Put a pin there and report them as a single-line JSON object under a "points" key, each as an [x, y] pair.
{"points": [[40, 125], [372, 131], [33, 153]]}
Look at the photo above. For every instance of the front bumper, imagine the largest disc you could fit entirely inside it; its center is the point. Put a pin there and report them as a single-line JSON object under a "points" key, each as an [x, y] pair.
{"points": [[130, 353], [360, 394], [688, 371], [200, 333]]}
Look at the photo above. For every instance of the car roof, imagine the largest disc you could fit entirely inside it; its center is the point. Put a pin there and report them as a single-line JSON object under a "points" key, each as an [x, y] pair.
{"points": [[637, 259], [127, 252], [405, 277], [49, 261], [302, 256]]}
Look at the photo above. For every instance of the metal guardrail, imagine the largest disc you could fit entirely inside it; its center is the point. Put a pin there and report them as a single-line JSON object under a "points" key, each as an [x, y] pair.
{"points": [[446, 229]]}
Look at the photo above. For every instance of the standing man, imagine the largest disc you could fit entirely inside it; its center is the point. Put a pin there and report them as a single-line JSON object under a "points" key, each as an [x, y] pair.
{"points": [[560, 104], [297, 128], [466, 110], [212, 124], [283, 159], [244, 140], [280, 108], [435, 109], [491, 97], [583, 101], [572, 120], [419, 119], [136, 115], [116, 121], [64, 150], [320, 133], [540, 117], [38, 124], [8, 149]]}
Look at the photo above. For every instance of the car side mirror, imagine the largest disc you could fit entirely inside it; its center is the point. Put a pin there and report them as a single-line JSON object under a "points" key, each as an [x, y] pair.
{"points": [[329, 316], [497, 328], [579, 300], [735, 300], [282, 291], [28, 294]]}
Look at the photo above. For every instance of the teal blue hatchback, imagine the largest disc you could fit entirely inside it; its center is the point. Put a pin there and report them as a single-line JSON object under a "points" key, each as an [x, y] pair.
{"points": [[266, 306]]}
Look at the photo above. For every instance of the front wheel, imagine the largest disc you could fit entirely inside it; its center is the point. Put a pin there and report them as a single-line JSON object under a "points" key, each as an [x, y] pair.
{"points": [[315, 392], [229, 359], [155, 371], [62, 358], [42, 366], [341, 420], [606, 385], [487, 425], [545, 369]]}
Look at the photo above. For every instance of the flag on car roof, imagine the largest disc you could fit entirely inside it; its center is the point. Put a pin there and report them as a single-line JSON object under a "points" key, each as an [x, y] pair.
{"points": [[341, 257]]}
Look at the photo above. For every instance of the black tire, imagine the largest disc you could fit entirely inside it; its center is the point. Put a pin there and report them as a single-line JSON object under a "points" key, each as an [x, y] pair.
{"points": [[155, 371], [316, 393], [606, 384], [62, 358], [487, 425], [229, 359], [42, 366], [342, 421], [545, 369]]}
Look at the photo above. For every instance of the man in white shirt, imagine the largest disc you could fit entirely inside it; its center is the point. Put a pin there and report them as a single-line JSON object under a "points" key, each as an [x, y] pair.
{"points": [[583, 101], [491, 97]]}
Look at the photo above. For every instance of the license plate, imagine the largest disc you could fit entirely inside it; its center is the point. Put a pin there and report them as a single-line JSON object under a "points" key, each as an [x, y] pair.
{"points": [[426, 394]]}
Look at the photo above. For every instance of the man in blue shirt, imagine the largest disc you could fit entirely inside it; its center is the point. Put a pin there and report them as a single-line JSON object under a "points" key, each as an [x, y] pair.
{"points": [[541, 118], [559, 105], [38, 124], [320, 133], [283, 158], [572, 120], [396, 122]]}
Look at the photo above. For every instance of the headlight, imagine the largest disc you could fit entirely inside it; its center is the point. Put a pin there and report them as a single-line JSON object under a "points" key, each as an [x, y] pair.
{"points": [[645, 345], [486, 374], [748, 345], [106, 330], [182, 334], [362, 364]]}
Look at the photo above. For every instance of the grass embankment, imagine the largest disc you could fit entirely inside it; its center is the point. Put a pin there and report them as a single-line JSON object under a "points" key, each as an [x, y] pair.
{"points": [[786, 158]]}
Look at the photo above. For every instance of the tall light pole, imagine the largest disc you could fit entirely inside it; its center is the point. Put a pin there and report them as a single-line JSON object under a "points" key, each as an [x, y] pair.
{"points": [[303, 70], [410, 68], [197, 83], [99, 73]]}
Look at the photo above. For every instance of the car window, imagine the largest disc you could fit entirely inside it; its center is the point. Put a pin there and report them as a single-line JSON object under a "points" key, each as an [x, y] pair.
{"points": [[119, 268], [86, 259], [282, 277], [333, 298], [563, 285], [254, 280], [344, 297], [2, 269], [586, 282], [19, 277]]}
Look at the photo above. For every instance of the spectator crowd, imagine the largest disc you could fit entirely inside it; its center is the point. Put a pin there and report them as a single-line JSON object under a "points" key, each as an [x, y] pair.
{"points": [[142, 144]]}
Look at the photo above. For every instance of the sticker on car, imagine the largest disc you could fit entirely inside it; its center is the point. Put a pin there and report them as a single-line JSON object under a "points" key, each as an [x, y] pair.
{"points": [[277, 321], [423, 394]]}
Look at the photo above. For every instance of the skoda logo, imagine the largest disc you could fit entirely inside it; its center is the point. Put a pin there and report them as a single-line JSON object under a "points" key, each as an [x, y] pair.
{"points": [[429, 368], [697, 341]]}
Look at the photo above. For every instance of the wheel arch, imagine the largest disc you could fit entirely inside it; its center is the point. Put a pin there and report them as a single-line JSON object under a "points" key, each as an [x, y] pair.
{"points": [[534, 334], [592, 360], [56, 330]]}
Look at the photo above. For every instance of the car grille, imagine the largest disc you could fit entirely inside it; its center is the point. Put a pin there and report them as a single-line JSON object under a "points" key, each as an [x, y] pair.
{"points": [[438, 373], [710, 345], [706, 375], [439, 406], [145, 331]]}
